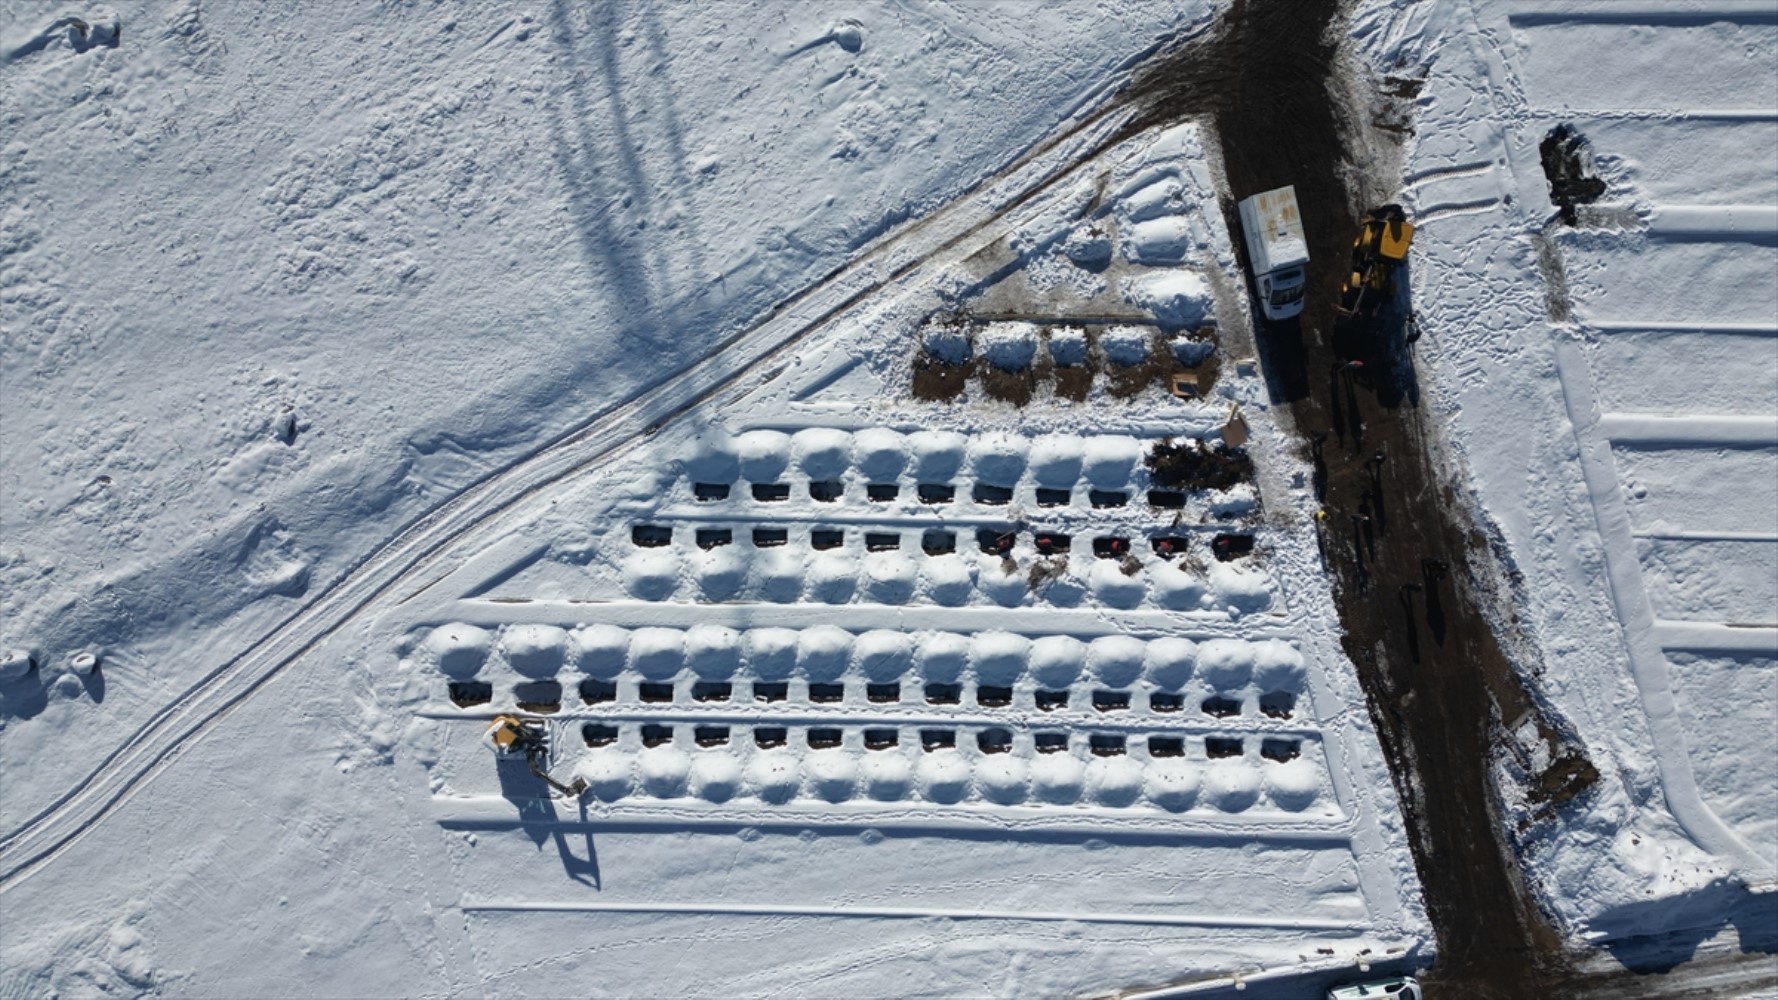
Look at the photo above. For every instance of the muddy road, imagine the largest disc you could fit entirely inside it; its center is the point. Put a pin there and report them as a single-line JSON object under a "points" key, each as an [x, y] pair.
{"points": [[1410, 574]]}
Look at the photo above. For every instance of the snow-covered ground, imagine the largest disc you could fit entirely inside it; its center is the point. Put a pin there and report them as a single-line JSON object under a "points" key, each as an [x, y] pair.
{"points": [[279, 283], [911, 647], [448, 347], [1085, 764], [1612, 388], [794, 702]]}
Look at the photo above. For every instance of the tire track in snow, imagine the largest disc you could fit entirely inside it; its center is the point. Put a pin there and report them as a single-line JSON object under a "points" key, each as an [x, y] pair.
{"points": [[1436, 174], [1167, 919], [1433, 213]]}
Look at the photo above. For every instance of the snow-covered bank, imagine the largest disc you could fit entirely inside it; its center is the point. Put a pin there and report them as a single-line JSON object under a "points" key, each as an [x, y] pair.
{"points": [[1610, 388]]}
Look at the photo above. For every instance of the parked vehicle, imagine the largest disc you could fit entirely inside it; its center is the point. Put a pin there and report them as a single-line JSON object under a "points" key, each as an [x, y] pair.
{"points": [[1277, 250], [514, 736], [1379, 249]]}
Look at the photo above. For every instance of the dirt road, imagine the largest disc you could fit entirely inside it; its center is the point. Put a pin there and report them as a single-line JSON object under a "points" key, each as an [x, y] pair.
{"points": [[1408, 570]]}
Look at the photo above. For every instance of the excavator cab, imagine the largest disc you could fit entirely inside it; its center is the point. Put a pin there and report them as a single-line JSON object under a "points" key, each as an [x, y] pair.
{"points": [[1390, 235], [513, 736]]}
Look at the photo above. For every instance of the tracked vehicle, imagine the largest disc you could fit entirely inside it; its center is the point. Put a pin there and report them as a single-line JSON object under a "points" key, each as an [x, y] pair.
{"points": [[510, 736], [1378, 251]]}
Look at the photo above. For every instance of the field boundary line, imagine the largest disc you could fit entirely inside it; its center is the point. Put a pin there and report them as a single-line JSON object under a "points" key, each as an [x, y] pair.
{"points": [[915, 913], [496, 812], [1655, 430], [1635, 615], [1716, 637]]}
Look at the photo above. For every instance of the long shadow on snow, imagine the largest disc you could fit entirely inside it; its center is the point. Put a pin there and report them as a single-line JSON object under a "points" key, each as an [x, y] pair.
{"points": [[585, 160], [593, 147], [26, 697], [1660, 935], [538, 819], [1303, 986], [95, 685], [595, 136]]}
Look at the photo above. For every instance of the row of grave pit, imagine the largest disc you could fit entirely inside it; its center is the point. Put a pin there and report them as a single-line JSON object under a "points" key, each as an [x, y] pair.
{"points": [[939, 494], [1226, 546], [545, 697], [932, 739]]}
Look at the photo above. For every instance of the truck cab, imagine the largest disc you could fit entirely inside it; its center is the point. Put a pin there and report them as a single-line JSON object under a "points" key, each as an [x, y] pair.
{"points": [[1281, 293], [1272, 226]]}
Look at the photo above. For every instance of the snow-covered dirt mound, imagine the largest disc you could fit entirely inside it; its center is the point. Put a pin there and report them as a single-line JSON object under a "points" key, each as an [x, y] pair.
{"points": [[1110, 704]]}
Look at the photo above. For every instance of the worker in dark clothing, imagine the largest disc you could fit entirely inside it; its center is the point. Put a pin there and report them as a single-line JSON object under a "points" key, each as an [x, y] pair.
{"points": [[1434, 570]]}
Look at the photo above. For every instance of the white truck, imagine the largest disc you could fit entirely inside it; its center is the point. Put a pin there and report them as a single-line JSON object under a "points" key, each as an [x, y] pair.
{"points": [[1277, 250], [1393, 988]]}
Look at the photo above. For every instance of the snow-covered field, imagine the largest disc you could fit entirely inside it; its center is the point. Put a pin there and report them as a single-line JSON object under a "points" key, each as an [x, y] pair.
{"points": [[912, 754], [1612, 387], [565, 358], [279, 283], [815, 666]]}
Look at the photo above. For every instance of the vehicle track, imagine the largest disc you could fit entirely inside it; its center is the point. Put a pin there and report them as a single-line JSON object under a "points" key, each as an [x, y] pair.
{"points": [[1271, 82], [957, 231], [919, 913]]}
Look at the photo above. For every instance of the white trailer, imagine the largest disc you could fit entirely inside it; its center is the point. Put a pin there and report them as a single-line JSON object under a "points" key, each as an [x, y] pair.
{"points": [[1393, 988], [1273, 228]]}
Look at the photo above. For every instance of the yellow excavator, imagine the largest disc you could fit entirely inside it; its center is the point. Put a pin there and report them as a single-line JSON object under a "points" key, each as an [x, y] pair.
{"points": [[1380, 247], [512, 736]]}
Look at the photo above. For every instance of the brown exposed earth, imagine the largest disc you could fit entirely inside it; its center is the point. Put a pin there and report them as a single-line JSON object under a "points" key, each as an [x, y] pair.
{"points": [[938, 381], [1411, 571], [1421, 591]]}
